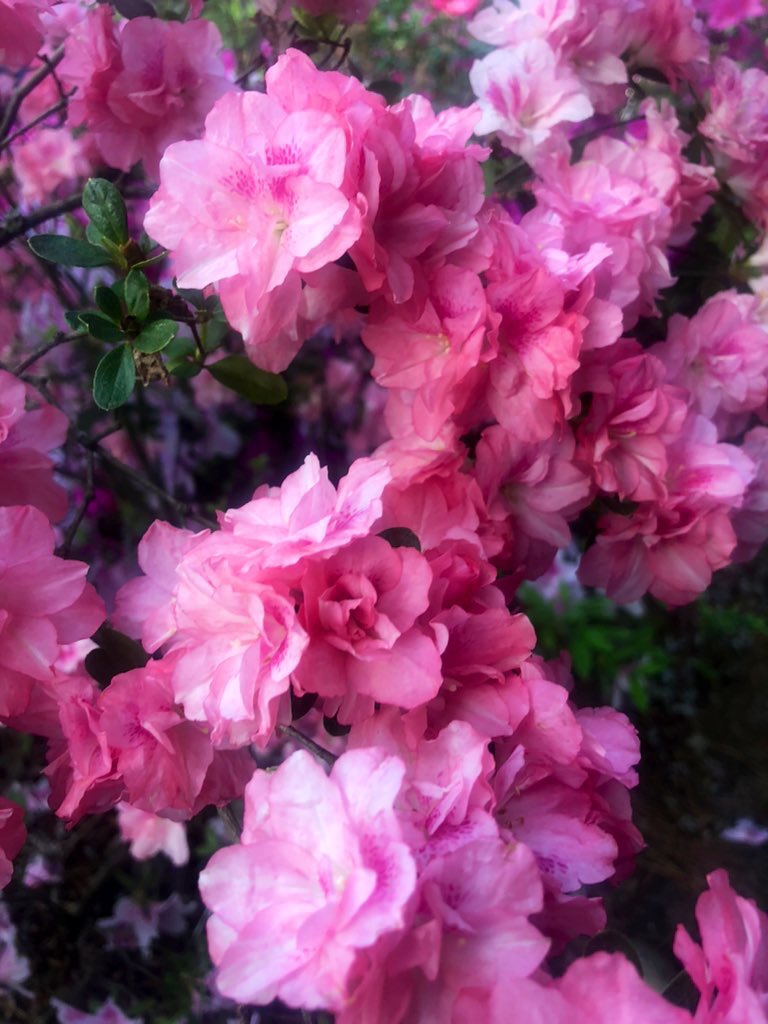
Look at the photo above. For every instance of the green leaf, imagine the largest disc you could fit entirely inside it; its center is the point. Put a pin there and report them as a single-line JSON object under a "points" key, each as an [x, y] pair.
{"points": [[69, 252], [104, 205], [72, 316], [114, 378], [240, 375], [177, 351], [185, 370], [156, 336], [137, 296], [101, 328], [108, 303]]}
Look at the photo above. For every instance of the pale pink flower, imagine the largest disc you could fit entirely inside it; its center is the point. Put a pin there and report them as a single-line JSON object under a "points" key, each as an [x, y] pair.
{"points": [[721, 356], [144, 607], [307, 515], [45, 159], [263, 197], [585, 36], [29, 428], [666, 34], [149, 834], [163, 758], [532, 491], [605, 988], [471, 934], [730, 967], [14, 968], [445, 796], [525, 93], [44, 602], [109, 1013], [238, 641], [671, 547], [321, 873], [137, 90]]}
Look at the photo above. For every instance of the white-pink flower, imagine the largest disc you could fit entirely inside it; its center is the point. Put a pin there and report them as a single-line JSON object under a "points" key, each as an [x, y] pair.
{"points": [[321, 873]]}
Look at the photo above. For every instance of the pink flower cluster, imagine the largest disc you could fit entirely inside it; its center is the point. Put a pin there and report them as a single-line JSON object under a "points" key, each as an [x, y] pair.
{"points": [[386, 892], [142, 84], [511, 332], [737, 126], [556, 64]]}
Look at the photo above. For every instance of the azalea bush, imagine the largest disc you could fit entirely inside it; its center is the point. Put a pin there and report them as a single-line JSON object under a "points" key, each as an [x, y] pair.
{"points": [[344, 347]]}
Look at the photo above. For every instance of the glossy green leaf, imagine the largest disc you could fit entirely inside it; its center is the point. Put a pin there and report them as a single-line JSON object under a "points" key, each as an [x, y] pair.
{"points": [[100, 327], [105, 207], [137, 295], [108, 303], [240, 375], [114, 378], [68, 252], [156, 336]]}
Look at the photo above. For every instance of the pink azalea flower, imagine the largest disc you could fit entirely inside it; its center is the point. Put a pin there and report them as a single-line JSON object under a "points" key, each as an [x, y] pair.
{"points": [[238, 642], [721, 356], [586, 38], [471, 934], [321, 873], [737, 126], [604, 988], [137, 90], [307, 515], [12, 837], [149, 834], [532, 491], [44, 602], [21, 31], [633, 415], [360, 610], [671, 547], [425, 358], [109, 1013], [162, 758], [29, 429], [525, 93], [730, 967]]}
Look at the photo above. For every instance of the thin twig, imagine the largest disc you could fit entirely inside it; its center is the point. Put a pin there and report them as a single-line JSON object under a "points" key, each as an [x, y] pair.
{"points": [[60, 339], [85, 502], [304, 741], [36, 217], [230, 823], [55, 109], [19, 95]]}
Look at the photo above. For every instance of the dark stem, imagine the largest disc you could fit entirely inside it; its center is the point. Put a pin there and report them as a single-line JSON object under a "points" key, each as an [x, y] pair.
{"points": [[55, 109], [20, 94], [304, 741], [32, 220], [60, 339]]}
